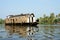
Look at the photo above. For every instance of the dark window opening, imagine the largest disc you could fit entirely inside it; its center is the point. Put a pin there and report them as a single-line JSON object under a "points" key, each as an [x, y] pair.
{"points": [[8, 19], [13, 20], [29, 19], [32, 19], [16, 19]]}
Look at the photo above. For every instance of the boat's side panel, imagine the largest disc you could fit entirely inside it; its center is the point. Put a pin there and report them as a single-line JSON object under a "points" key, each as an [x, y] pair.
{"points": [[35, 23]]}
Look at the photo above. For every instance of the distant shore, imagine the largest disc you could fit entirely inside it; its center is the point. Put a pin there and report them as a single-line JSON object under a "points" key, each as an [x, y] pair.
{"points": [[52, 19]]}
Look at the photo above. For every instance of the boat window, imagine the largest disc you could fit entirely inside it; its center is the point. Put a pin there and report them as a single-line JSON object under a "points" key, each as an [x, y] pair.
{"points": [[16, 19], [8, 19], [11, 19]]}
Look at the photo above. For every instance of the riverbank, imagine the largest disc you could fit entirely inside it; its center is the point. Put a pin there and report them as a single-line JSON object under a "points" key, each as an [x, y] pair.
{"points": [[49, 25]]}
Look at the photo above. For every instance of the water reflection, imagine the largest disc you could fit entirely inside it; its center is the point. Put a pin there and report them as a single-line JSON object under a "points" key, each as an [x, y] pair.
{"points": [[48, 32], [22, 31], [40, 32]]}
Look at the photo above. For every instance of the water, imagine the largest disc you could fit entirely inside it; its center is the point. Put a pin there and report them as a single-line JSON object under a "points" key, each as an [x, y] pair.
{"points": [[39, 32]]}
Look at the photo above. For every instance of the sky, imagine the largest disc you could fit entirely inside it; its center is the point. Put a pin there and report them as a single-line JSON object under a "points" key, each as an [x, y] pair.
{"points": [[38, 7]]}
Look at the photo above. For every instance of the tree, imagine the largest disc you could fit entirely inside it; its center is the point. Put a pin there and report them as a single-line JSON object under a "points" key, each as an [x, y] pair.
{"points": [[55, 21], [59, 14], [44, 15], [52, 17], [1, 21]]}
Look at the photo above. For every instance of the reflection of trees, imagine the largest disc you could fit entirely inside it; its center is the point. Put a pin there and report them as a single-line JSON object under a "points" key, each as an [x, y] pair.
{"points": [[21, 30]]}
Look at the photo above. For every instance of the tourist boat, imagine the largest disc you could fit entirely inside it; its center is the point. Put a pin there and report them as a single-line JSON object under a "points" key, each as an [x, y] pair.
{"points": [[22, 19]]}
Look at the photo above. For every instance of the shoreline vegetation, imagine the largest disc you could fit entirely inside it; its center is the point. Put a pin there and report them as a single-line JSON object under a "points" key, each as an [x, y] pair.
{"points": [[51, 20], [1, 21]]}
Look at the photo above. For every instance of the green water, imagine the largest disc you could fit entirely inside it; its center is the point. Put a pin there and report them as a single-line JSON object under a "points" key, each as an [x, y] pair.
{"points": [[39, 32]]}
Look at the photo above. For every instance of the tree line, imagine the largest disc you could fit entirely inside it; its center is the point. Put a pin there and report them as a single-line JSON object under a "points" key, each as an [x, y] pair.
{"points": [[52, 19], [1, 21]]}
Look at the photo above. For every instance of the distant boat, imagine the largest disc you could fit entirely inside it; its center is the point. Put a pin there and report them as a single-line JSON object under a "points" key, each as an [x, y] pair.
{"points": [[22, 19]]}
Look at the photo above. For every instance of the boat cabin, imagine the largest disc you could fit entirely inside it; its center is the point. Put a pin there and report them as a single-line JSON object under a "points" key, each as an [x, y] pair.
{"points": [[22, 18]]}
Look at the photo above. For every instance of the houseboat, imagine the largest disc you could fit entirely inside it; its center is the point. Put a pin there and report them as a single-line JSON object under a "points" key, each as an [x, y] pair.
{"points": [[22, 19]]}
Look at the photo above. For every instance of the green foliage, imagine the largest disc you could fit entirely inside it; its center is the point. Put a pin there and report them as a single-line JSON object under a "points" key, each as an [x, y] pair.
{"points": [[52, 19], [55, 21], [1, 21]]}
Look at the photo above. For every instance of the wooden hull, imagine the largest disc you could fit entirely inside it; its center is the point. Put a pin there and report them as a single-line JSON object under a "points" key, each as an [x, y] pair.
{"points": [[33, 24]]}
